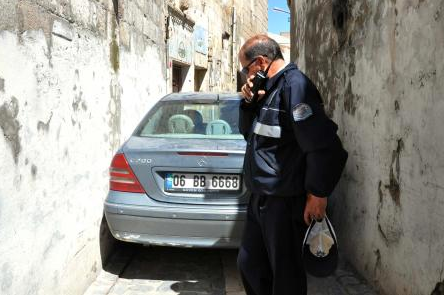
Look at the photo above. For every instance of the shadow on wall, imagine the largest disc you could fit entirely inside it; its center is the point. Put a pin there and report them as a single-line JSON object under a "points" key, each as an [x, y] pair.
{"points": [[439, 289]]}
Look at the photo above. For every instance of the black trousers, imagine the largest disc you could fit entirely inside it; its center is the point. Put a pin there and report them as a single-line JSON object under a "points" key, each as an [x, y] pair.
{"points": [[269, 258]]}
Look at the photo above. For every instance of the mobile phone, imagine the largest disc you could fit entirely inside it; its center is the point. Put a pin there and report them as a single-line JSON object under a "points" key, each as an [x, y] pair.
{"points": [[259, 81]]}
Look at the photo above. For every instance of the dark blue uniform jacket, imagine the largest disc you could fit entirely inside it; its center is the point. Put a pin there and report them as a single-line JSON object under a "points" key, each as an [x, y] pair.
{"points": [[292, 146]]}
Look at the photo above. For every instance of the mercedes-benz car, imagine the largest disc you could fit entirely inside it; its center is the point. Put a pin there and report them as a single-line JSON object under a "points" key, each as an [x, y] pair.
{"points": [[177, 180]]}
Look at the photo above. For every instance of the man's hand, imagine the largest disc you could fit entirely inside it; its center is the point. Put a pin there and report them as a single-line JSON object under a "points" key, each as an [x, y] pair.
{"points": [[314, 208], [246, 90]]}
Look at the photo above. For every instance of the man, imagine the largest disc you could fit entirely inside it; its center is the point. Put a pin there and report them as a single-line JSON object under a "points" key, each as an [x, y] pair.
{"points": [[293, 161]]}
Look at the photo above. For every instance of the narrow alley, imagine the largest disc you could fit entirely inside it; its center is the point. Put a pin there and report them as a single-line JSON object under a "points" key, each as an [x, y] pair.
{"points": [[127, 113]]}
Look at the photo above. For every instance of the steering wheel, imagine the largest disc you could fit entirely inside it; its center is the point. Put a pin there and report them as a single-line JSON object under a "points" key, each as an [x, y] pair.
{"points": [[180, 124], [218, 127]]}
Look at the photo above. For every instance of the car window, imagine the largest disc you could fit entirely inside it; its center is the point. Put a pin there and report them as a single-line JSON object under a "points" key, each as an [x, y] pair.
{"points": [[193, 119]]}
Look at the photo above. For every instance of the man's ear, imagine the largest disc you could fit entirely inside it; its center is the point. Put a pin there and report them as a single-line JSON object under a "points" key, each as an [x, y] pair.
{"points": [[263, 62]]}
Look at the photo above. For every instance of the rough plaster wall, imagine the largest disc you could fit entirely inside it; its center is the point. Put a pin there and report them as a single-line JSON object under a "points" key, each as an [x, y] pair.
{"points": [[379, 66], [51, 194], [221, 47], [68, 91], [141, 85], [142, 61]]}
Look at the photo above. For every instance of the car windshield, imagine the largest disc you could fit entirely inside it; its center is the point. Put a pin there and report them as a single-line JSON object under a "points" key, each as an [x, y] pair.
{"points": [[192, 119]]}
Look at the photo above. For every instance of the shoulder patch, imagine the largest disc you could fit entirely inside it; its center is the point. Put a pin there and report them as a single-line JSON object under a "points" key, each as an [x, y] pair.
{"points": [[301, 111]]}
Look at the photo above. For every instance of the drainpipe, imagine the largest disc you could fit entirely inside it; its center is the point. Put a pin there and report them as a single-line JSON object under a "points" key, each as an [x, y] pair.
{"points": [[233, 41], [167, 53], [293, 54]]}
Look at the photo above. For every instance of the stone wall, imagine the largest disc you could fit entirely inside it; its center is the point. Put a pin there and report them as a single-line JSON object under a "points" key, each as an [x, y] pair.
{"points": [[228, 24], [378, 65], [75, 78], [252, 16]]}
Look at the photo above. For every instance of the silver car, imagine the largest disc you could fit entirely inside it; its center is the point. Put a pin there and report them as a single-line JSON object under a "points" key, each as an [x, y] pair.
{"points": [[177, 181]]}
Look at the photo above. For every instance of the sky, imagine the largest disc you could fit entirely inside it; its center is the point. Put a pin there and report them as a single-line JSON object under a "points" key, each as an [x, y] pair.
{"points": [[278, 21]]}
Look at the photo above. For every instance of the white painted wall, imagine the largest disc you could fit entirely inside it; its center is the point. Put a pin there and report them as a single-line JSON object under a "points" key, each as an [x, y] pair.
{"points": [[64, 111], [142, 84], [51, 199]]}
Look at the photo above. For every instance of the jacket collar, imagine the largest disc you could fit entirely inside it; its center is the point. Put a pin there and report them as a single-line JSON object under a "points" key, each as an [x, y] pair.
{"points": [[272, 81]]}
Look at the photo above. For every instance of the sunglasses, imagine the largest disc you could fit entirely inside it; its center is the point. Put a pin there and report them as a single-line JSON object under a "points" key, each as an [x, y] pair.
{"points": [[246, 69]]}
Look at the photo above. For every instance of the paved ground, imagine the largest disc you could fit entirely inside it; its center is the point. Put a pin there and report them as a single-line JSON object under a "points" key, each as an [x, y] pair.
{"points": [[137, 270]]}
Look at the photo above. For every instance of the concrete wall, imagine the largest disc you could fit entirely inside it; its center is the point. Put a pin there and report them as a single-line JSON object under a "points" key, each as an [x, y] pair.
{"points": [[73, 85], [379, 66]]}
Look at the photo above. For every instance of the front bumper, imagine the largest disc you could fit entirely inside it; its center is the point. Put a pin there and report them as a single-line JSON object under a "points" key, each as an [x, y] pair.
{"points": [[137, 218]]}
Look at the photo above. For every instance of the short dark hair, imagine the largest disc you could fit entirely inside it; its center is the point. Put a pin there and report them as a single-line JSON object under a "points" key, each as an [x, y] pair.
{"points": [[262, 45]]}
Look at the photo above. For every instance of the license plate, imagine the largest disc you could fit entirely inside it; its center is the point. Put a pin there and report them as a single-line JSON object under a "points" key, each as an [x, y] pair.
{"points": [[184, 182]]}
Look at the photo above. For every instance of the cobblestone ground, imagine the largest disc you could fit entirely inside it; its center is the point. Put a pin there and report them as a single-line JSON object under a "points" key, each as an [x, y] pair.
{"points": [[137, 270]]}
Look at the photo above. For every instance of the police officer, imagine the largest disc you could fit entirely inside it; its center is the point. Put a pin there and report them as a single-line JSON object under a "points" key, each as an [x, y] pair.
{"points": [[293, 161]]}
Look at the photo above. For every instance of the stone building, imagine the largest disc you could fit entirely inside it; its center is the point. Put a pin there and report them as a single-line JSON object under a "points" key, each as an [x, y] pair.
{"points": [[75, 78], [203, 38], [379, 66]]}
